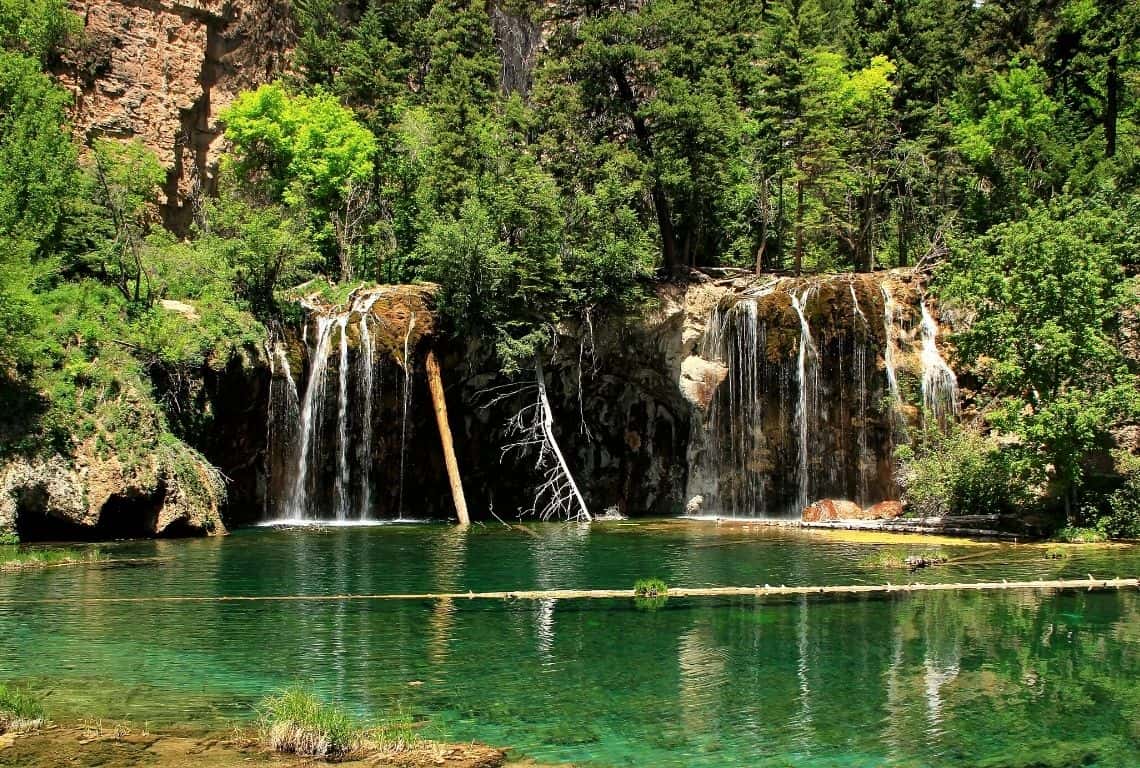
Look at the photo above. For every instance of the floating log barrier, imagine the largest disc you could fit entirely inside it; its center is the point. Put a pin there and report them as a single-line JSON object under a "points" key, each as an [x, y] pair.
{"points": [[435, 383], [610, 594]]}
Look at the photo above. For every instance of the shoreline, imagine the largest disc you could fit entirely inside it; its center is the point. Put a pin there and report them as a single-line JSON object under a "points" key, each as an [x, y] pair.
{"points": [[122, 745]]}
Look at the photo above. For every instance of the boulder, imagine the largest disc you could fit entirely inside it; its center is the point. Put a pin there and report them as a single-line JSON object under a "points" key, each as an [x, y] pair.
{"points": [[827, 510], [884, 510], [700, 379]]}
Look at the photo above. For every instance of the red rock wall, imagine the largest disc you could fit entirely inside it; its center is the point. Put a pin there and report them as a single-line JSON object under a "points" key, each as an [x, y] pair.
{"points": [[162, 70]]}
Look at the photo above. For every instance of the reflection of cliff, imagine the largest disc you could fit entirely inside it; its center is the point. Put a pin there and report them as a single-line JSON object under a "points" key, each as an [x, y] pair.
{"points": [[163, 70]]}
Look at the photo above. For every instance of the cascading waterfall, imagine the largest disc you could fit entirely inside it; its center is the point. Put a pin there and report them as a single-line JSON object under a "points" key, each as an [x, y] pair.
{"points": [[407, 402], [890, 323], [807, 374], [367, 378], [804, 395], [297, 505], [859, 352], [342, 474], [939, 384]]}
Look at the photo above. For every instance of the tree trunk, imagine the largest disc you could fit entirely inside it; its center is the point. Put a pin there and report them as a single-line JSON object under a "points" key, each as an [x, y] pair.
{"points": [[1111, 106], [435, 383], [660, 201], [799, 255], [763, 228]]}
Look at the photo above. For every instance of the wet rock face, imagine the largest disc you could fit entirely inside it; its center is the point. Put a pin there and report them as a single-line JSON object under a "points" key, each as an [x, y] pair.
{"points": [[162, 72], [807, 409], [697, 400]]}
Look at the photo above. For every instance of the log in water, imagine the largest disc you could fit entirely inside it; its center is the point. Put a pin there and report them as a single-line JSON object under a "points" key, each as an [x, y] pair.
{"points": [[604, 594]]}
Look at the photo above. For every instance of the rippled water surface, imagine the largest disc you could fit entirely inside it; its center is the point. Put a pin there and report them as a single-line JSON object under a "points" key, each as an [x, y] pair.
{"points": [[1008, 679]]}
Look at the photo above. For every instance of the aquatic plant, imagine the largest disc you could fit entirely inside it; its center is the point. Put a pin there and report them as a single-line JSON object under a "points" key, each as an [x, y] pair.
{"points": [[16, 558], [20, 711], [394, 734], [650, 588], [894, 559], [298, 722], [650, 594]]}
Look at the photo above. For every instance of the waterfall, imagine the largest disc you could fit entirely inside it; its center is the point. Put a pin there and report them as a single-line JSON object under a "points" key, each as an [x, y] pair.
{"points": [[367, 377], [890, 322], [795, 407], [939, 384], [283, 411], [407, 401], [342, 474], [889, 347], [807, 374], [297, 506], [859, 353]]}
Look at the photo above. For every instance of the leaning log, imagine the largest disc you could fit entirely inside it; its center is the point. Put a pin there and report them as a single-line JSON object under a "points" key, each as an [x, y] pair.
{"points": [[435, 384]]}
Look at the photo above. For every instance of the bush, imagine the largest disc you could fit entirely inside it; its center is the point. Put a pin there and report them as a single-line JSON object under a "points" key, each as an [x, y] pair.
{"points": [[963, 471], [20, 711], [298, 722], [1123, 518], [1075, 535]]}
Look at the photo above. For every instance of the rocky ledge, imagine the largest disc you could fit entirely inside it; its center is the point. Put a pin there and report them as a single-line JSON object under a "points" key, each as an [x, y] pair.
{"points": [[172, 492]]}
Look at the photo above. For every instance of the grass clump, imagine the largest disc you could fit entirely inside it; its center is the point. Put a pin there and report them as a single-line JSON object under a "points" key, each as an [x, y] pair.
{"points": [[650, 594], [298, 722], [893, 559], [20, 711], [18, 558], [8, 538], [650, 588]]}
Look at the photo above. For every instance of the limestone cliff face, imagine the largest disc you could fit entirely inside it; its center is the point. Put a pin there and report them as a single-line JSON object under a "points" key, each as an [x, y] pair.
{"points": [[162, 70]]}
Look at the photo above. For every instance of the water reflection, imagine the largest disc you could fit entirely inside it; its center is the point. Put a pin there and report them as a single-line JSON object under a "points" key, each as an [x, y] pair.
{"points": [[930, 679]]}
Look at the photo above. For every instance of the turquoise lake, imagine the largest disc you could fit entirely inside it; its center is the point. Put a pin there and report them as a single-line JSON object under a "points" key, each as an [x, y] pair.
{"points": [[1009, 679]]}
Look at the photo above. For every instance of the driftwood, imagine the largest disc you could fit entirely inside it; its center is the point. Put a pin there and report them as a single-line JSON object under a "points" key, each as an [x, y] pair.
{"points": [[579, 594]]}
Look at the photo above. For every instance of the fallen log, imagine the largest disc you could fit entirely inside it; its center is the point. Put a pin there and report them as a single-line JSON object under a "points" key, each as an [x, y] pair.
{"points": [[579, 594]]}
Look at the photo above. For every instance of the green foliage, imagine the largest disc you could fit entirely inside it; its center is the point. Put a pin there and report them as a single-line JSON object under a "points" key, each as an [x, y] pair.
{"points": [[963, 472], [8, 538], [20, 711], [19, 558], [36, 27], [306, 153], [1044, 292], [1077, 535], [297, 722]]}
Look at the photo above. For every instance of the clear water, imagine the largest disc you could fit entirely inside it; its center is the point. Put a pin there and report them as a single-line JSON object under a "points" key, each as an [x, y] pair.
{"points": [[939, 679]]}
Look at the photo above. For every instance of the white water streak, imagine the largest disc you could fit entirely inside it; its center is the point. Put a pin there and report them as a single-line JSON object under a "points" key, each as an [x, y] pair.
{"points": [[939, 384], [298, 504], [807, 373]]}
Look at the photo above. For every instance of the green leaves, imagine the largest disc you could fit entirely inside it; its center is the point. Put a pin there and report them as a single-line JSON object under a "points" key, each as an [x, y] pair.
{"points": [[1045, 293], [305, 152]]}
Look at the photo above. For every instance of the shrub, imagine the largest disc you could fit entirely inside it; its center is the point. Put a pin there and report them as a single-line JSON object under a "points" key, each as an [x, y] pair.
{"points": [[1075, 535], [963, 471], [298, 722], [20, 711], [1123, 518]]}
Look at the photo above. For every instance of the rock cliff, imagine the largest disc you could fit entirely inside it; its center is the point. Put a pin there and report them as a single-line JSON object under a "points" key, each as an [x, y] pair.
{"points": [[162, 70]]}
